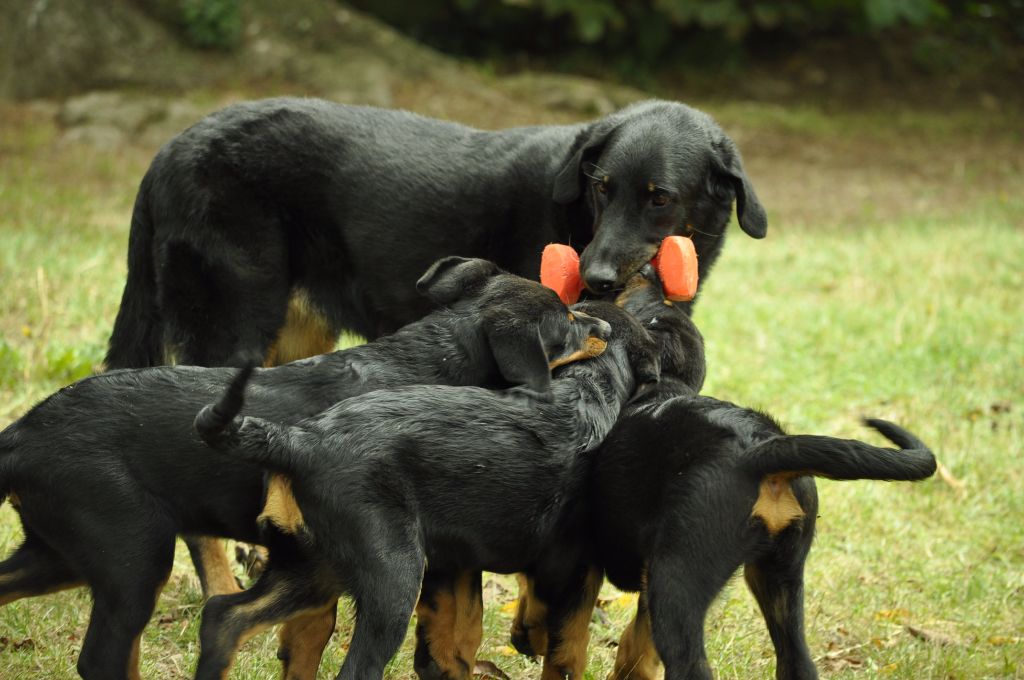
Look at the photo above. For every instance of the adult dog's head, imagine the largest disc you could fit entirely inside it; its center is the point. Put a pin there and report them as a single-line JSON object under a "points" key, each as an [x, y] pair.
{"points": [[649, 171]]}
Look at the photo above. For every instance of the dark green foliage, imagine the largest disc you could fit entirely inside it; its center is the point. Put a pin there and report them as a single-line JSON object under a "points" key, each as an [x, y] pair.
{"points": [[642, 33], [215, 24]]}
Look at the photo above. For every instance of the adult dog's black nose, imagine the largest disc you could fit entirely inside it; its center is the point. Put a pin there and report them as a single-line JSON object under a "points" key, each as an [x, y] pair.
{"points": [[599, 279]]}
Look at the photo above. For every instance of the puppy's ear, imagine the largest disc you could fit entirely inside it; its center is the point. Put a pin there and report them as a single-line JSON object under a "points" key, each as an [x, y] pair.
{"points": [[749, 210], [451, 277], [588, 144], [519, 353]]}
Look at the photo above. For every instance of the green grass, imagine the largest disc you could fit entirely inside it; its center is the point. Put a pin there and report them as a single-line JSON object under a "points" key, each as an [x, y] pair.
{"points": [[916, 318]]}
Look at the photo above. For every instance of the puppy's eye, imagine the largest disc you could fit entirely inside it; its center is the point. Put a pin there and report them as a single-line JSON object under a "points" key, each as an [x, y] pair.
{"points": [[602, 186], [659, 199]]}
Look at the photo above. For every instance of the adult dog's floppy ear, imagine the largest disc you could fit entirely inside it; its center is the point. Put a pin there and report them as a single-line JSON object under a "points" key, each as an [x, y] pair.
{"points": [[451, 277], [519, 352], [749, 210], [569, 180]]}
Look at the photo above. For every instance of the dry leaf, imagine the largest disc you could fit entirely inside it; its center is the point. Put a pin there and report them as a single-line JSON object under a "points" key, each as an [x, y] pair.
{"points": [[932, 636]]}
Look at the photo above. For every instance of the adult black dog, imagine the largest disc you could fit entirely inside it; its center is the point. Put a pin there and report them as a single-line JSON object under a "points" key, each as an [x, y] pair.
{"points": [[686, 489], [265, 229], [399, 487], [106, 472]]}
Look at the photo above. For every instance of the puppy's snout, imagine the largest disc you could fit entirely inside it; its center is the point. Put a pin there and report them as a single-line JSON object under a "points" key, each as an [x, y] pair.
{"points": [[596, 328]]}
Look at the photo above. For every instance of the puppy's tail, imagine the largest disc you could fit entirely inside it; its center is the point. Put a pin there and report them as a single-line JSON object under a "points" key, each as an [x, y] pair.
{"points": [[256, 440], [218, 424], [844, 458]]}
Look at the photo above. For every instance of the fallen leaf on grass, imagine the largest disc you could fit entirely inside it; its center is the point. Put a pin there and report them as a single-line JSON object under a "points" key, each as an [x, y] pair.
{"points": [[933, 636], [891, 614], [1000, 640], [510, 607]]}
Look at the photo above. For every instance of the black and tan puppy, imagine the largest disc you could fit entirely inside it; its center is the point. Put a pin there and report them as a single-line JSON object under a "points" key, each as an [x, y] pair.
{"points": [[268, 227], [405, 487], [106, 472], [686, 489]]}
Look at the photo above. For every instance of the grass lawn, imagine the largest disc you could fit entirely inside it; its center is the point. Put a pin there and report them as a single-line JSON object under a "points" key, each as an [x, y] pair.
{"points": [[888, 289]]}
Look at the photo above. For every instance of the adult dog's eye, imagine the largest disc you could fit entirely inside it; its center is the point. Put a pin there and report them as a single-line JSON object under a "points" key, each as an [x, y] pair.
{"points": [[601, 186], [659, 199]]}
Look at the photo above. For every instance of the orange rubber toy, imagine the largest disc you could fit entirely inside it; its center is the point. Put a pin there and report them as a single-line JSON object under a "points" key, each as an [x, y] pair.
{"points": [[675, 262]]}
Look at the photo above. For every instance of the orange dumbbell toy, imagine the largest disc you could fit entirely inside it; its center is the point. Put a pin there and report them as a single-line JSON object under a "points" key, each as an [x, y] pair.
{"points": [[675, 262]]}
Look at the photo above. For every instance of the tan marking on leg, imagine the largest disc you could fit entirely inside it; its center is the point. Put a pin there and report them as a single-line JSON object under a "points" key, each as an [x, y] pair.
{"points": [[133, 659], [570, 658], [217, 575], [281, 508], [305, 332], [304, 638], [776, 505], [133, 656], [637, 658], [469, 614], [437, 621], [241, 617], [531, 617], [592, 347]]}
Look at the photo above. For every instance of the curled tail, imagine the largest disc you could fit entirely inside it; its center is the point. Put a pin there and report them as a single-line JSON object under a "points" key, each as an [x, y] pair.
{"points": [[137, 338], [256, 440], [218, 424], [844, 458]]}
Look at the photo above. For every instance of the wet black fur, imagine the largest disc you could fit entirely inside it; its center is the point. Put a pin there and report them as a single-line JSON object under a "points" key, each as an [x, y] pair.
{"points": [[672, 491], [107, 471], [350, 204], [446, 479]]}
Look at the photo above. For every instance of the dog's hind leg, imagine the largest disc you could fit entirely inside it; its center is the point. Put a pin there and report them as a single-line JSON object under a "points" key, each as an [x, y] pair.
{"points": [[777, 581], [123, 602], [385, 589], [681, 584], [302, 640], [283, 592], [636, 658], [33, 569]]}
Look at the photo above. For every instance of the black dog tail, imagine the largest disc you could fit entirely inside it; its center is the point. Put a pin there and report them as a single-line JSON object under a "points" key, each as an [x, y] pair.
{"points": [[844, 458], [137, 338], [256, 440], [218, 424]]}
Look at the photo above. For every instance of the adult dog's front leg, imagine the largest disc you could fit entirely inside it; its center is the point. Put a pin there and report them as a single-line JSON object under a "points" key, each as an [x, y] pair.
{"points": [[449, 625]]}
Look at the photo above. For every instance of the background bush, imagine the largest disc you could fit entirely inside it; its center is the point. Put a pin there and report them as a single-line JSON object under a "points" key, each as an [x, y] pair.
{"points": [[642, 33]]}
